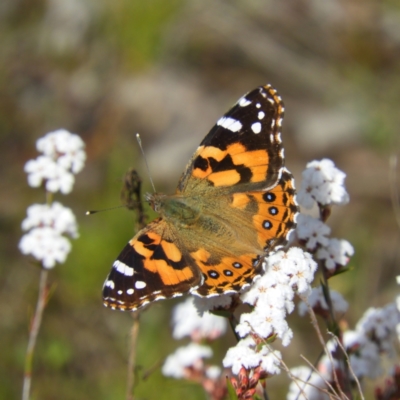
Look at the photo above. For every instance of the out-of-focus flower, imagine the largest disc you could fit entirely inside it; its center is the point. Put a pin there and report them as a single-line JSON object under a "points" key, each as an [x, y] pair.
{"points": [[322, 183], [336, 253], [317, 301], [190, 356], [307, 385], [63, 156], [187, 322], [312, 231], [46, 225]]}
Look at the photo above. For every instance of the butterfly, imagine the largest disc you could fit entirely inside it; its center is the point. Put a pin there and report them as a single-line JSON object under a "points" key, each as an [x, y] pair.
{"points": [[235, 202]]}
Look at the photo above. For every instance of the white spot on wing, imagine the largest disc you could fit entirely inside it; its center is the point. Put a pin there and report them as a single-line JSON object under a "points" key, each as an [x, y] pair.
{"points": [[256, 127], [129, 291], [243, 102], [258, 105], [229, 123], [123, 268], [271, 100], [140, 285], [110, 284], [120, 292], [261, 114]]}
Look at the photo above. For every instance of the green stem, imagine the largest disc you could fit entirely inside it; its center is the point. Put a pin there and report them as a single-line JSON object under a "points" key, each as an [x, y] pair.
{"points": [[33, 334]]}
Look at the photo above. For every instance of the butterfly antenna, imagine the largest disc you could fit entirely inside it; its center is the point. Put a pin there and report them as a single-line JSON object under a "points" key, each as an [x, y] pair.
{"points": [[90, 212], [139, 140]]}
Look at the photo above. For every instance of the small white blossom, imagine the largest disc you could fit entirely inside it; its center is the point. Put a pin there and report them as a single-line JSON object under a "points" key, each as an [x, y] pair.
{"points": [[242, 355], [213, 372], [187, 322], [313, 231], [64, 146], [322, 183], [46, 225], [380, 324], [272, 295], [204, 304], [316, 299], [308, 385], [337, 252], [46, 245], [184, 357], [55, 215], [270, 361], [63, 156]]}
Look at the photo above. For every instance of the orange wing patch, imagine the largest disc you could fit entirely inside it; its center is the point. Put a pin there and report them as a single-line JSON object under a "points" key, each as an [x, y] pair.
{"points": [[231, 166], [276, 214]]}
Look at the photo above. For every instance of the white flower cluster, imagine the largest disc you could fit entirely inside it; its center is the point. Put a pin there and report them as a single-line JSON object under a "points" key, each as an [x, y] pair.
{"points": [[375, 335], [272, 298], [316, 300], [324, 183], [46, 225], [187, 322], [191, 356], [307, 385], [63, 156]]}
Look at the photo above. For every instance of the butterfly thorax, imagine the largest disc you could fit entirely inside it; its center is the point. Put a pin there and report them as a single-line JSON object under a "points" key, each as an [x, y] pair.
{"points": [[174, 209]]}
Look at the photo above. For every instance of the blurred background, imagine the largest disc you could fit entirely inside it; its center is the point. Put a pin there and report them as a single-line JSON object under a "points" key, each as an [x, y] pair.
{"points": [[169, 69]]}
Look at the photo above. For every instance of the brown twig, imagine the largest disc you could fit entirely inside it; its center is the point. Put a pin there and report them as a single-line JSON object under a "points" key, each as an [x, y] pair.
{"points": [[131, 197], [33, 333], [349, 364], [322, 341], [130, 381]]}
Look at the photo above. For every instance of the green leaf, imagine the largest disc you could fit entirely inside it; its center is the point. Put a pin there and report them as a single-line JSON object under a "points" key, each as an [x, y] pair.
{"points": [[231, 390]]}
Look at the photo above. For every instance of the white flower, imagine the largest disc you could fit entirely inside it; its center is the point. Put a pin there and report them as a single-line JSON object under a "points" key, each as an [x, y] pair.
{"points": [[270, 361], [55, 215], [184, 357], [308, 385], [242, 355], [380, 323], [63, 156], [302, 269], [272, 295], [46, 225], [316, 299], [213, 372], [62, 180], [187, 322], [312, 231], [204, 304], [337, 252], [46, 245], [323, 183]]}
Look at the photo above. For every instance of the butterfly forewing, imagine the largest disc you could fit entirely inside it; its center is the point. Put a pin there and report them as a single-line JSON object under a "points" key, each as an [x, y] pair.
{"points": [[243, 149]]}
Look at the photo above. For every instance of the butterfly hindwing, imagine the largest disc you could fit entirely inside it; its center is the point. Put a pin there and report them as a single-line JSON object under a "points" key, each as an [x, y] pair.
{"points": [[150, 267]]}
